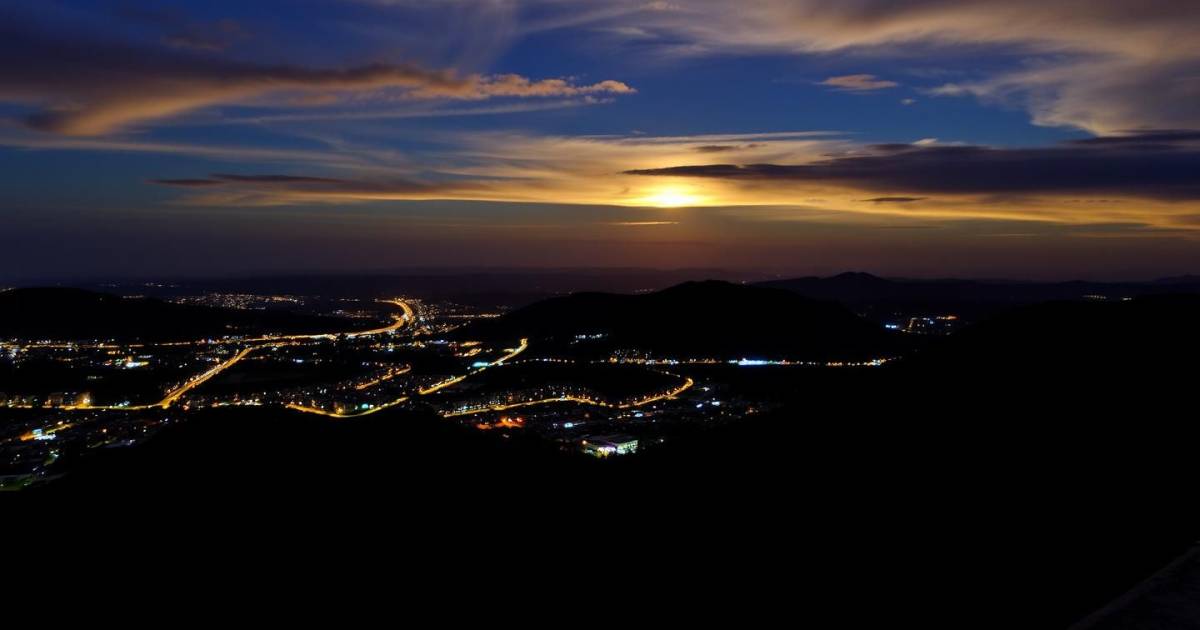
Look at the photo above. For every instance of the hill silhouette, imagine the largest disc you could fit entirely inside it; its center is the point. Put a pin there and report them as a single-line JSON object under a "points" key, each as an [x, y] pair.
{"points": [[969, 297], [700, 319], [1154, 336], [70, 314], [1012, 520], [1018, 474]]}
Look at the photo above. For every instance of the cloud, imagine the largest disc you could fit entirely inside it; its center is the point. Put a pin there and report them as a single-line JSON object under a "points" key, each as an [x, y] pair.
{"points": [[1098, 65], [722, 148], [859, 83], [228, 189], [187, 183], [181, 31], [1159, 166], [84, 88], [1141, 179], [497, 166], [217, 179], [206, 36], [277, 179], [895, 199]]}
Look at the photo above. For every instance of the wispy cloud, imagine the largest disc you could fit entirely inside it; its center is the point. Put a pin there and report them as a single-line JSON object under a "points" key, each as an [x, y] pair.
{"points": [[859, 83], [1144, 179], [179, 30], [96, 87], [1099, 65], [895, 199], [423, 112]]}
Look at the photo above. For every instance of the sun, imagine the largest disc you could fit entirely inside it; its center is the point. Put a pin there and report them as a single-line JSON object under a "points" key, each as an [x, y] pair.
{"points": [[671, 198]]}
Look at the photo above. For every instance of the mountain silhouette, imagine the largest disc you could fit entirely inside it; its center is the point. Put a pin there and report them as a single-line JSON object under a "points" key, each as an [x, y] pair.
{"points": [[700, 319], [859, 289], [1129, 339]]}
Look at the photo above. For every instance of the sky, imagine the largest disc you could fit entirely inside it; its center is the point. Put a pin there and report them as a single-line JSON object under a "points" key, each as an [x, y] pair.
{"points": [[1040, 139]]}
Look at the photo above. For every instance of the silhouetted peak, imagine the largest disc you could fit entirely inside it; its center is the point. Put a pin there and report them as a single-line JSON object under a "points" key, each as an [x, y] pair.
{"points": [[54, 293], [1184, 279], [699, 286], [701, 318], [860, 276]]}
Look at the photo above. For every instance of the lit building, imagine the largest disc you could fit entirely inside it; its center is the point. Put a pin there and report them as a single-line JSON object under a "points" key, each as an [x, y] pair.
{"points": [[605, 445]]}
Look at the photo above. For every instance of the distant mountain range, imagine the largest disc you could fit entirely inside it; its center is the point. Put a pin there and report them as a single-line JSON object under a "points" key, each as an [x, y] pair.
{"points": [[483, 287], [515, 287], [1126, 339], [865, 289], [70, 314], [802, 319], [700, 319]]}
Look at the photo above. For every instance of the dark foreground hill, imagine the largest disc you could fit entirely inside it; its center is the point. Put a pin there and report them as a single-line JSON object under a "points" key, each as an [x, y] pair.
{"points": [[1022, 475], [56, 313], [1153, 337], [1168, 600], [943, 513], [700, 319]]}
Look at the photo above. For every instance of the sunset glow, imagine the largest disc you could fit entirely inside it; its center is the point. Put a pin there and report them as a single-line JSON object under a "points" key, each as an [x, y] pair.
{"points": [[797, 136], [672, 198]]}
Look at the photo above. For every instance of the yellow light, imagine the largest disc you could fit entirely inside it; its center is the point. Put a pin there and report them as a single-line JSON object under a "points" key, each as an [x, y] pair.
{"points": [[671, 198]]}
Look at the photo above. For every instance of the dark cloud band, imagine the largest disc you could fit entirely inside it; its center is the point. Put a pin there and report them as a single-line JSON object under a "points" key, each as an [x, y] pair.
{"points": [[1158, 165]]}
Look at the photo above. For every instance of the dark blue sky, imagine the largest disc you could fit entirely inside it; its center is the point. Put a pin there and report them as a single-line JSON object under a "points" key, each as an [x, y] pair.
{"points": [[920, 138]]}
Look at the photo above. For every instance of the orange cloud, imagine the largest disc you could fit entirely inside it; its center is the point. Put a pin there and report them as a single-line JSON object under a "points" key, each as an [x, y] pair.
{"points": [[859, 83], [1132, 180], [87, 89]]}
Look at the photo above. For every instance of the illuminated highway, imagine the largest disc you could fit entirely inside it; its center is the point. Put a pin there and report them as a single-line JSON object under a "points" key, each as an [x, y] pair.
{"points": [[399, 321], [392, 373], [334, 414], [458, 379], [201, 379], [576, 399], [408, 316]]}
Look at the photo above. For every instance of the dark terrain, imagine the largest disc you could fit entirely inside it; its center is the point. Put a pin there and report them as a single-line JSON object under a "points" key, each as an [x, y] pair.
{"points": [[1021, 473], [700, 320], [74, 314], [484, 288], [879, 297]]}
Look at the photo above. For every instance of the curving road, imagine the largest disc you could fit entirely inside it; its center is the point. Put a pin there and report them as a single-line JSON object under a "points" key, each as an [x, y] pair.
{"points": [[399, 321], [577, 399], [458, 379], [333, 414]]}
